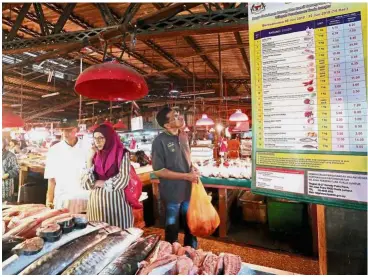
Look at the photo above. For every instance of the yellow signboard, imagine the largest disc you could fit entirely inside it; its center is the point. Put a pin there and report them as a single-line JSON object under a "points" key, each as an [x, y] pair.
{"points": [[309, 86]]}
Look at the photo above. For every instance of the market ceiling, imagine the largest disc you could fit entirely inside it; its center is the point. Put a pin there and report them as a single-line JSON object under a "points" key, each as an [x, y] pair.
{"points": [[175, 46]]}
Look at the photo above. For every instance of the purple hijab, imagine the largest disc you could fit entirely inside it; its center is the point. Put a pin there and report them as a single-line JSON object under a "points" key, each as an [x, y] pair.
{"points": [[107, 161]]}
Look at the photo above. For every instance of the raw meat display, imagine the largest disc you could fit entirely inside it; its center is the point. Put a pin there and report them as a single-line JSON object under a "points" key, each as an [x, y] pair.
{"points": [[232, 264], [188, 261]]}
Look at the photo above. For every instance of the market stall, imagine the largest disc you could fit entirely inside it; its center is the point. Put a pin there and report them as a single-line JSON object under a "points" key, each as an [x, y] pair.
{"points": [[276, 115], [51, 242], [226, 187]]}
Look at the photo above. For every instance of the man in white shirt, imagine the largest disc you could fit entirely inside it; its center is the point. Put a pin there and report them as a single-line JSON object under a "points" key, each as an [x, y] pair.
{"points": [[64, 165]]}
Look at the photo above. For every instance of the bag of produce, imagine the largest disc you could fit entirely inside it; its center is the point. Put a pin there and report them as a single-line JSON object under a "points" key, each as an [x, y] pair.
{"points": [[202, 217]]}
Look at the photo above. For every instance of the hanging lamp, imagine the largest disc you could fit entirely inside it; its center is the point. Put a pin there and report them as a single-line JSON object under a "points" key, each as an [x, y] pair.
{"points": [[108, 122], [11, 120], [120, 125], [205, 121], [186, 129], [238, 116], [111, 81]]}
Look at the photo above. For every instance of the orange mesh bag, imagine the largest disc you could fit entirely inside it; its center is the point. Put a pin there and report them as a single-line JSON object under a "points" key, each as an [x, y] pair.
{"points": [[202, 217]]}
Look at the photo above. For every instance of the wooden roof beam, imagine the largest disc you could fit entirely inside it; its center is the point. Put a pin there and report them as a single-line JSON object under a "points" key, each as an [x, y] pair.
{"points": [[242, 51], [18, 96], [41, 19], [7, 6], [106, 14], [217, 6], [64, 18], [31, 91], [16, 80], [208, 9], [18, 22], [126, 20], [50, 110], [163, 53], [109, 34], [191, 42], [30, 32], [158, 6], [130, 12], [159, 50]]}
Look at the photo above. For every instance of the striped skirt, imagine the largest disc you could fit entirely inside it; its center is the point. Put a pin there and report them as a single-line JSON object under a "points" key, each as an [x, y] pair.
{"points": [[110, 207]]}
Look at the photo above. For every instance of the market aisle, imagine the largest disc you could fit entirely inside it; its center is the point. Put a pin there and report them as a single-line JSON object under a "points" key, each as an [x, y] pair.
{"points": [[287, 262]]}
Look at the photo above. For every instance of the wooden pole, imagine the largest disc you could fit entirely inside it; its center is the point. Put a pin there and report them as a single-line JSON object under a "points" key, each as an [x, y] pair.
{"points": [[80, 95], [322, 244]]}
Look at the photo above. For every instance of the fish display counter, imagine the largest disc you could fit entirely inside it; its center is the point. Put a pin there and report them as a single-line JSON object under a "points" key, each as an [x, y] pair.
{"points": [[96, 248]]}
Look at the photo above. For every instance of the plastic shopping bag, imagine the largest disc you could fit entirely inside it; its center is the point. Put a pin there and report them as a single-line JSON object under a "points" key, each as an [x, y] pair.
{"points": [[202, 217], [133, 190]]}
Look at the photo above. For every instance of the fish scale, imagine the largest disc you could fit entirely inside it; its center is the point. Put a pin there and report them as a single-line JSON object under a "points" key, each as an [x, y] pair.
{"points": [[57, 260], [98, 257], [127, 263]]}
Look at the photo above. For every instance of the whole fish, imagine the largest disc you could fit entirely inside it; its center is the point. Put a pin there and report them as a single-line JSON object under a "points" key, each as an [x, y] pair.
{"points": [[57, 260], [310, 146], [94, 260], [127, 263]]}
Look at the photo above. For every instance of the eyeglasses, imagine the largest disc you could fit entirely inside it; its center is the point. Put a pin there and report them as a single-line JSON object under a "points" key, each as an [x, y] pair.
{"points": [[99, 139]]}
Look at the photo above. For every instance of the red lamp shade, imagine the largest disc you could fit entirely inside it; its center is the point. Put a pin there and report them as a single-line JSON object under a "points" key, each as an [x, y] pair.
{"points": [[108, 122], [111, 81], [11, 120], [93, 128], [120, 126]]}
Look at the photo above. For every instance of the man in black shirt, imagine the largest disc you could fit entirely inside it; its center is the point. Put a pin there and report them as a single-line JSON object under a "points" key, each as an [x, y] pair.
{"points": [[172, 164]]}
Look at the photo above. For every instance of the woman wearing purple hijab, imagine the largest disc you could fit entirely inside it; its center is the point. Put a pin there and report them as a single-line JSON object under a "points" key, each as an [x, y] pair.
{"points": [[106, 177]]}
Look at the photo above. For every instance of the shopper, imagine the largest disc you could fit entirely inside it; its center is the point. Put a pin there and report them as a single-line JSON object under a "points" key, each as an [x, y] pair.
{"points": [[14, 146], [10, 173], [64, 167], [172, 164], [106, 177], [23, 144]]}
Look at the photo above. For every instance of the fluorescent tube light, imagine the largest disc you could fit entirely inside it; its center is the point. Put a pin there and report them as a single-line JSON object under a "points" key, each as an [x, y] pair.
{"points": [[50, 94], [91, 103]]}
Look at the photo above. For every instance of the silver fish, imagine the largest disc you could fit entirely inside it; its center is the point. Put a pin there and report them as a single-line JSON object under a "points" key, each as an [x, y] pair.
{"points": [[94, 260], [308, 140], [127, 263], [310, 146], [57, 260]]}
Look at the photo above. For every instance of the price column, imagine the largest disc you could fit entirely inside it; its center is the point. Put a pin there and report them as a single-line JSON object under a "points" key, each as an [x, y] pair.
{"points": [[323, 94], [259, 89], [356, 82], [336, 56]]}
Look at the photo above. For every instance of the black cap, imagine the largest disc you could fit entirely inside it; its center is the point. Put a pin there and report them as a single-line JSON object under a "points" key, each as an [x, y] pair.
{"points": [[68, 124]]}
